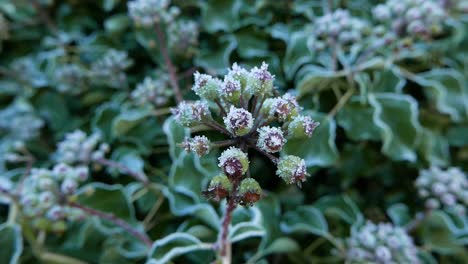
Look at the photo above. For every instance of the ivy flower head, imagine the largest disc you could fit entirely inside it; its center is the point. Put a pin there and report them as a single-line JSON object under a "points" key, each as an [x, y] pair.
{"points": [[238, 121]]}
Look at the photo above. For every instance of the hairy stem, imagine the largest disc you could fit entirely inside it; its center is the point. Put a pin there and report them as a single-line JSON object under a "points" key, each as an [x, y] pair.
{"points": [[170, 66], [115, 220], [137, 176]]}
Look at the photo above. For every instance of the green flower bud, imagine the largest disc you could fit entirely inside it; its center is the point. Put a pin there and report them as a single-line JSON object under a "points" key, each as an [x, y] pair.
{"points": [[249, 191], [270, 139], [260, 81], [206, 86], [302, 127], [285, 108], [231, 89], [199, 145], [189, 114], [292, 169], [239, 74], [239, 121], [234, 162], [219, 188]]}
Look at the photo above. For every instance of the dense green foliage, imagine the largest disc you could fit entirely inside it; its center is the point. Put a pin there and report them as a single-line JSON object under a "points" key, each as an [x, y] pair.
{"points": [[92, 164]]}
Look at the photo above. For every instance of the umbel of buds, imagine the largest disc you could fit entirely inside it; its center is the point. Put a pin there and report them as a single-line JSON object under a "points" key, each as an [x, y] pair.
{"points": [[153, 91], [243, 106], [78, 148], [44, 195], [445, 189], [382, 243]]}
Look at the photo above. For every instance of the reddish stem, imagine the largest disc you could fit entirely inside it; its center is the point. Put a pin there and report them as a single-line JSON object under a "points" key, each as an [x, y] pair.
{"points": [[170, 66], [115, 220], [231, 205]]}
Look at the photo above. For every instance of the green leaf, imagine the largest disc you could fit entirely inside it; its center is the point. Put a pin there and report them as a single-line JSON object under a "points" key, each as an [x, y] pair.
{"points": [[313, 79], [126, 120], [355, 117], [251, 227], [340, 206], [220, 15], [117, 23], [175, 134], [216, 59], [434, 147], [297, 53], [251, 43], [399, 214], [320, 149], [456, 136], [305, 219], [448, 89], [175, 245], [11, 243], [396, 116]]}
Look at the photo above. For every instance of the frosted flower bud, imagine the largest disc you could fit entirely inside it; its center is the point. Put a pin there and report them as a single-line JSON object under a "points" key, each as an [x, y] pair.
{"points": [[270, 139], [285, 108], [156, 92], [381, 12], [56, 213], [68, 186], [302, 127], [266, 109], [46, 184], [206, 86], [239, 74], [231, 89], [448, 199], [260, 81], [438, 188], [383, 253], [249, 191], [199, 145], [292, 170], [219, 188], [432, 203], [238, 121], [189, 114], [234, 162], [148, 12], [46, 199]]}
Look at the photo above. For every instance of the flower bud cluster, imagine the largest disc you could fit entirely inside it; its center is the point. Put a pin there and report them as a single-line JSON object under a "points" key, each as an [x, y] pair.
{"points": [[18, 122], [71, 78], [110, 68], [183, 38], [338, 27], [446, 189], [45, 192], [153, 91], [381, 243], [146, 13], [412, 18], [79, 148], [247, 111]]}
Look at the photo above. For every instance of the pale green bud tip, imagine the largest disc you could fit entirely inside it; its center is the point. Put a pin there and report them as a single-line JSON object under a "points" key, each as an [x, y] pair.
{"points": [[234, 162], [199, 145], [206, 86], [270, 139], [249, 191], [221, 181], [301, 127], [238, 121], [285, 108], [231, 89], [292, 169]]}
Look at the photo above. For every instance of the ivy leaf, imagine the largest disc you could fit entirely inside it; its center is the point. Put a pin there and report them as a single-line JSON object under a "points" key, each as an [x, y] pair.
{"points": [[251, 43], [216, 59], [11, 243], [399, 214], [313, 78], [320, 149], [297, 53], [251, 227], [396, 116], [220, 15], [109, 199], [127, 120], [447, 88], [305, 219], [355, 117], [175, 245], [434, 147], [340, 206], [456, 135]]}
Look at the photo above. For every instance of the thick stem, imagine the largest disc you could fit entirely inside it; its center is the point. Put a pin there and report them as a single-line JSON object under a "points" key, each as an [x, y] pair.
{"points": [[170, 66], [115, 220], [273, 158], [224, 243], [137, 176]]}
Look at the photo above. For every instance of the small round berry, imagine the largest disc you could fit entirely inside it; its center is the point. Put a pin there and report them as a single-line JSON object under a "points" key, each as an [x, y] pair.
{"points": [[249, 192], [206, 86], [199, 145], [234, 162], [189, 114], [219, 188], [302, 127], [292, 169], [270, 139], [238, 121], [260, 81]]}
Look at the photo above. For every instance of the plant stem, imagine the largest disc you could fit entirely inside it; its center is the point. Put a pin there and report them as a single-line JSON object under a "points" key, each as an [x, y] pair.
{"points": [[273, 158], [223, 143], [112, 164], [217, 127], [115, 220], [341, 102], [221, 108], [420, 217], [170, 66], [49, 257], [224, 244]]}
